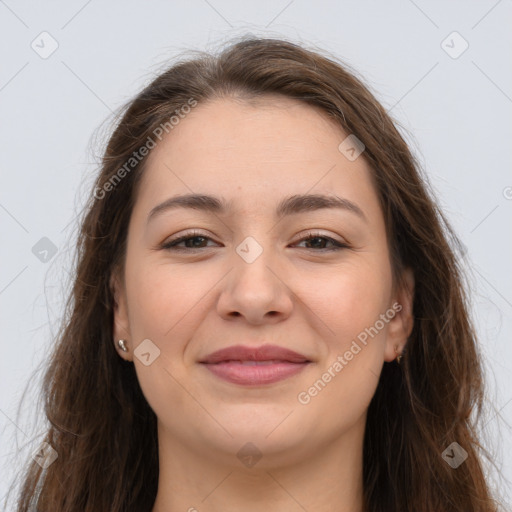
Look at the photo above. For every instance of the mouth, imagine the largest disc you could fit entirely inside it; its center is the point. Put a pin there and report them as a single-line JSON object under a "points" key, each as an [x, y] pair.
{"points": [[255, 366]]}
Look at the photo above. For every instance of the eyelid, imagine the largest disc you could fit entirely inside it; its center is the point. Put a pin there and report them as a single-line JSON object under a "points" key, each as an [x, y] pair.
{"points": [[317, 233], [172, 244], [189, 234], [311, 234]]}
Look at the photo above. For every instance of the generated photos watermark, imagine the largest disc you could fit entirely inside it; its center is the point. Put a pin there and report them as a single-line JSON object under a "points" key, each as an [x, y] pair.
{"points": [[143, 151], [304, 397]]}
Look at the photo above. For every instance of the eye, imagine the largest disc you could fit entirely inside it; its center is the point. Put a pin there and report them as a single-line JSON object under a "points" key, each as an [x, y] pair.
{"points": [[197, 240], [194, 240], [319, 241]]}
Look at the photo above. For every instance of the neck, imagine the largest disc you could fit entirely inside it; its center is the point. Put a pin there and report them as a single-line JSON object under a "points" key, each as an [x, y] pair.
{"points": [[328, 478]]}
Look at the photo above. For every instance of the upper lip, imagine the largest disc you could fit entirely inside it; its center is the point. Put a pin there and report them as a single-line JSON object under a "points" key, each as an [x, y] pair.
{"points": [[261, 353]]}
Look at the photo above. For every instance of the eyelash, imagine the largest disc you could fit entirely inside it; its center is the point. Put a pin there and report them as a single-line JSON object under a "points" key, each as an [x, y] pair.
{"points": [[171, 245]]}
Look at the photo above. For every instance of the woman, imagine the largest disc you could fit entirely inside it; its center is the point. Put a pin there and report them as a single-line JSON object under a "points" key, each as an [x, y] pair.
{"points": [[267, 312]]}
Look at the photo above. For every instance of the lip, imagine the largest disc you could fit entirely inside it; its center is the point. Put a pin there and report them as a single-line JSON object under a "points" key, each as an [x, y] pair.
{"points": [[261, 353], [250, 366]]}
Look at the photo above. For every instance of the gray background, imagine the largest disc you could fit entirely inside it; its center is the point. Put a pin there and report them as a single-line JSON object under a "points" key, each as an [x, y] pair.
{"points": [[455, 109]]}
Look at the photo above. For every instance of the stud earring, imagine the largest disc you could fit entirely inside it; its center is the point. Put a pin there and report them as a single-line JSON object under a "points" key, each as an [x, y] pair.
{"points": [[122, 345]]}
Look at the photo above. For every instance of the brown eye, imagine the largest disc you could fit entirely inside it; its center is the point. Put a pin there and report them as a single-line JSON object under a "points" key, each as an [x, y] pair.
{"points": [[192, 241], [319, 241]]}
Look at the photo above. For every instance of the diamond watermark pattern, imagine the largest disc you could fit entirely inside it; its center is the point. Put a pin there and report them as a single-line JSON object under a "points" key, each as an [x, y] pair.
{"points": [[249, 455], [454, 45], [44, 250], [45, 455], [147, 352], [44, 45], [249, 250], [351, 147], [455, 455]]}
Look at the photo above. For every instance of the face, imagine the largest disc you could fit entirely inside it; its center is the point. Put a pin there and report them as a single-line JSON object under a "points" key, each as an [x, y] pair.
{"points": [[313, 277]]}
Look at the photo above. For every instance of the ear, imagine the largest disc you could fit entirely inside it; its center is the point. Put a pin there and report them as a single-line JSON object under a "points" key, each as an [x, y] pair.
{"points": [[400, 326], [121, 327]]}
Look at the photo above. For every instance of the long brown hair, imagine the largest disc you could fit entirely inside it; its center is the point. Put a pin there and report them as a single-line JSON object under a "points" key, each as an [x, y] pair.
{"points": [[100, 423]]}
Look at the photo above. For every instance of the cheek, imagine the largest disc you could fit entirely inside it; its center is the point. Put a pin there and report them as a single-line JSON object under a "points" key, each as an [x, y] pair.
{"points": [[164, 304], [163, 299], [350, 303], [350, 299]]}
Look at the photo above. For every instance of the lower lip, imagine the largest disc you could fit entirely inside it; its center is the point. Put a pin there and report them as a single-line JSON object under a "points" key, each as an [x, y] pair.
{"points": [[247, 375]]}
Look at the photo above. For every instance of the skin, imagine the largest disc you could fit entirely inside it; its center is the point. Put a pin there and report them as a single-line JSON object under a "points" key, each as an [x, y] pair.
{"points": [[294, 294]]}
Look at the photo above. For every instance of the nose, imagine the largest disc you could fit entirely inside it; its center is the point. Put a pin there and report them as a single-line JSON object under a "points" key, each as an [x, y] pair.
{"points": [[256, 291]]}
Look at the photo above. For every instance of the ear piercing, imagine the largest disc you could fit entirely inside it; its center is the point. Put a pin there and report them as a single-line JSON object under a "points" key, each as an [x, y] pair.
{"points": [[398, 355], [122, 345]]}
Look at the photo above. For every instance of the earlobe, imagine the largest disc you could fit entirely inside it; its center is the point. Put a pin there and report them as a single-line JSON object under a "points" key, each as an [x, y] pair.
{"points": [[401, 325], [121, 330]]}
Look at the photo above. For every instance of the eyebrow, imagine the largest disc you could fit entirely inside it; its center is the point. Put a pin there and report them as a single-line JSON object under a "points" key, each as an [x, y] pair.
{"points": [[289, 206]]}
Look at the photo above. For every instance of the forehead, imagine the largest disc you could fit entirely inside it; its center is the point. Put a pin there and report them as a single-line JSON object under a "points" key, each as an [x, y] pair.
{"points": [[268, 128], [247, 151]]}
